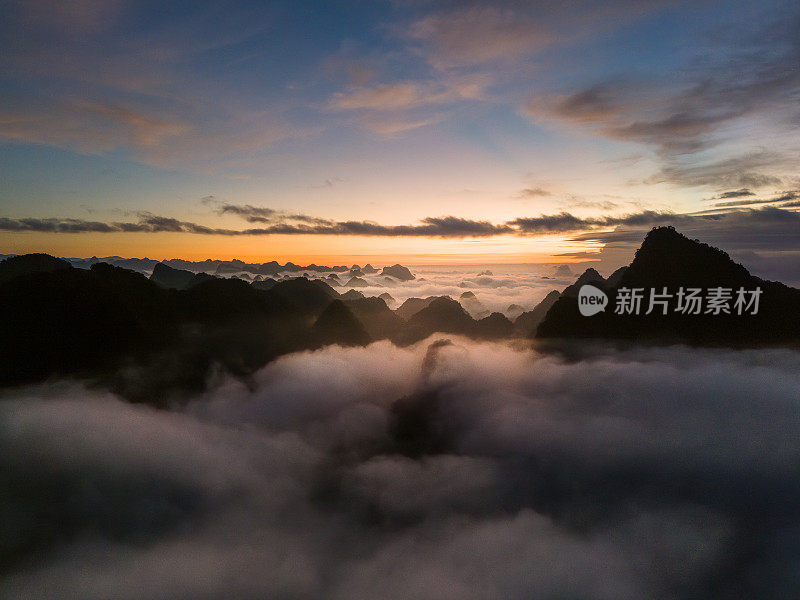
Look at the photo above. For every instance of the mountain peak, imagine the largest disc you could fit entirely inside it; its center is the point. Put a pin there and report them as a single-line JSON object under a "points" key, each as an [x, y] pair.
{"points": [[338, 325], [669, 258], [667, 263], [26, 264]]}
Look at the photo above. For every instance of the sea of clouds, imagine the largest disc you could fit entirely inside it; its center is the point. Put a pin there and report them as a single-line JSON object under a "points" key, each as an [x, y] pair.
{"points": [[496, 287], [445, 470]]}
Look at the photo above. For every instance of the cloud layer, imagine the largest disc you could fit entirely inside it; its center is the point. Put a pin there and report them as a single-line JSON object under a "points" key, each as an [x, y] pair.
{"points": [[459, 470]]}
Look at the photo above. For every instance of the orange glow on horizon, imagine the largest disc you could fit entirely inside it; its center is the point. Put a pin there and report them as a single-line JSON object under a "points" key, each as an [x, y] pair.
{"points": [[302, 249]]}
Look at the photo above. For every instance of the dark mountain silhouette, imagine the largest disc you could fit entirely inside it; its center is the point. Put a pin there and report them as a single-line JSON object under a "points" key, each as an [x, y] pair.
{"points": [[140, 265], [473, 306], [443, 314], [525, 325], [616, 277], [398, 272], [142, 339], [268, 268], [337, 325], [378, 320], [356, 282], [387, 297], [218, 300], [352, 295], [356, 272], [494, 327], [232, 266], [308, 296], [369, 269], [513, 311], [267, 283], [30, 263], [668, 259], [151, 341], [412, 306], [66, 320], [589, 276], [176, 279]]}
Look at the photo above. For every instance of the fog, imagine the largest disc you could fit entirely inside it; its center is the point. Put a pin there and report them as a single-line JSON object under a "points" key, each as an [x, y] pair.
{"points": [[442, 470], [496, 286]]}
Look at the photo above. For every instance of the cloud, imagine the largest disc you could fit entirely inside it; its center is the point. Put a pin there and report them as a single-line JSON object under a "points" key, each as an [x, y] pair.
{"points": [[700, 109], [533, 192], [724, 225], [276, 223], [782, 199], [479, 34], [94, 78], [474, 34], [389, 96], [392, 108], [566, 222], [658, 473], [741, 193], [392, 126], [743, 171]]}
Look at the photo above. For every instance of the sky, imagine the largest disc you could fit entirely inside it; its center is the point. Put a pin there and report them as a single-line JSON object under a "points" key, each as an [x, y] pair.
{"points": [[423, 131]]}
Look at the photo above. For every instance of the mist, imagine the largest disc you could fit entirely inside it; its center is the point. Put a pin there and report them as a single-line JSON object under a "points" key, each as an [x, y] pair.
{"points": [[447, 469]]}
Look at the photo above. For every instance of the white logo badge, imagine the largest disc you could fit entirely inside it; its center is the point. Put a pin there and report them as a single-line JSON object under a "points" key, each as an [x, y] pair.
{"points": [[591, 300]]}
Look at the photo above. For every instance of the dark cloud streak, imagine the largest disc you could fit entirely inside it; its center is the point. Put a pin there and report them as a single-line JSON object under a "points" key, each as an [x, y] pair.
{"points": [[444, 227]]}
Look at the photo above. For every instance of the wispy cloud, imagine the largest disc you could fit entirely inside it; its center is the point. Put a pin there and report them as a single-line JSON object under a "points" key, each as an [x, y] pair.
{"points": [[736, 194], [534, 192], [680, 117], [278, 222], [478, 34]]}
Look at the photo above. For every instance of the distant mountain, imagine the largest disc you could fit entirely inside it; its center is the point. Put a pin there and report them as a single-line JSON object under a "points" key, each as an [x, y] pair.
{"points": [[412, 306], [368, 269], [220, 267], [444, 315], [378, 320], [387, 297], [473, 306], [176, 279], [513, 311], [140, 265], [356, 282], [398, 272], [267, 283], [494, 327], [668, 259], [338, 325], [352, 295], [525, 324], [153, 339], [563, 271], [308, 296]]}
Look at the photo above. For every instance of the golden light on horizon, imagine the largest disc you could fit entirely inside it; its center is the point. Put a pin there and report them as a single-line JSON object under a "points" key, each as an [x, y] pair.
{"points": [[305, 249]]}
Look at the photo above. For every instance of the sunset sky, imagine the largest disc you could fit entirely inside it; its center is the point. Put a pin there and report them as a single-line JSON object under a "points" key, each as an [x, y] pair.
{"points": [[412, 130]]}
